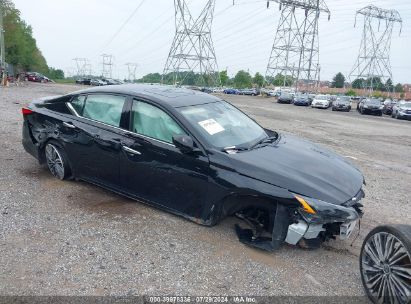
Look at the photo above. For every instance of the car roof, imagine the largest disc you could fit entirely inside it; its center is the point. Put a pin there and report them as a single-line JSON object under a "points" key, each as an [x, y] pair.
{"points": [[162, 94]]}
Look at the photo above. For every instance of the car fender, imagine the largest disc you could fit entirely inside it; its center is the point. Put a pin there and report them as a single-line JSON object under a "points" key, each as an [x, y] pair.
{"points": [[231, 191]]}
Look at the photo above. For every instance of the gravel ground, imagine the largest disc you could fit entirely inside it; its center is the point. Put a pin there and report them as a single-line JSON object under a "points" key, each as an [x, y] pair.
{"points": [[71, 238]]}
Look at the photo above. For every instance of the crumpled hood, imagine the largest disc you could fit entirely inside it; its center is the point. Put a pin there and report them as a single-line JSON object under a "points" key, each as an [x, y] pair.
{"points": [[301, 167]]}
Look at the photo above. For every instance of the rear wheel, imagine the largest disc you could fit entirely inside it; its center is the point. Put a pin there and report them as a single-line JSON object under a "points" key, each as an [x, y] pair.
{"points": [[57, 161], [385, 264]]}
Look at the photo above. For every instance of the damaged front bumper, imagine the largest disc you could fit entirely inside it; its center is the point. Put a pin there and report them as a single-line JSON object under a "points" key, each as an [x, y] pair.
{"points": [[307, 227]]}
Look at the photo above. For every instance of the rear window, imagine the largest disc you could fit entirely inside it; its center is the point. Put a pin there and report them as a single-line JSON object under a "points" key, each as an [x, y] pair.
{"points": [[104, 108]]}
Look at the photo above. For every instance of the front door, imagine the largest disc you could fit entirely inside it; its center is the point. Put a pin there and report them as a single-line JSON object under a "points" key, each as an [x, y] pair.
{"points": [[154, 169]]}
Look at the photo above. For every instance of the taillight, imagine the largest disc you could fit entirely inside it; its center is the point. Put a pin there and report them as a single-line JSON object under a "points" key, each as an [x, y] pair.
{"points": [[26, 111]]}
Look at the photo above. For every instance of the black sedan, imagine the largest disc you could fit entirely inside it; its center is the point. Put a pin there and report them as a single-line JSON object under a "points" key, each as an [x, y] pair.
{"points": [[370, 106], [285, 98], [198, 156], [342, 103]]}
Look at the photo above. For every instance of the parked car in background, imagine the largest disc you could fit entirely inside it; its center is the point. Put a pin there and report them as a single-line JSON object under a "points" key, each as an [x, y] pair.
{"points": [[232, 91], [370, 106], [311, 98], [110, 81], [285, 97], [302, 100], [249, 92], [402, 110], [388, 105], [343, 103], [97, 82], [37, 77], [84, 81], [321, 101], [199, 157]]}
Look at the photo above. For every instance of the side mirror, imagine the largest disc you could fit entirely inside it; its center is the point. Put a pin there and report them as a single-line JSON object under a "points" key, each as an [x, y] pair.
{"points": [[184, 142]]}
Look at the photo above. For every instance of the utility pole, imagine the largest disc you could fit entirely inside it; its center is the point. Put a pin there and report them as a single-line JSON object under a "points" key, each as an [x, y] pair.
{"points": [[373, 61], [108, 62], [192, 50], [132, 68], [295, 52], [2, 46]]}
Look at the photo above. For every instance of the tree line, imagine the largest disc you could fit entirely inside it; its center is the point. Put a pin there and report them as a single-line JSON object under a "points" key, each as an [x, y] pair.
{"points": [[21, 49], [243, 79], [374, 82]]}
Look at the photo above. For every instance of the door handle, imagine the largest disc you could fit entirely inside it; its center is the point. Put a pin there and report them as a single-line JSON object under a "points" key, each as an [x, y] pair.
{"points": [[69, 125], [129, 150]]}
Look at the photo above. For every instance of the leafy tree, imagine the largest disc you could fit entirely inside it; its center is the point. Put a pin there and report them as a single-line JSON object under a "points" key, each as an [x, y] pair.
{"points": [[399, 88], [243, 79], [53, 73], [374, 83], [350, 93], [224, 78], [151, 78], [338, 81], [358, 83], [21, 48], [389, 86], [258, 79], [280, 80]]}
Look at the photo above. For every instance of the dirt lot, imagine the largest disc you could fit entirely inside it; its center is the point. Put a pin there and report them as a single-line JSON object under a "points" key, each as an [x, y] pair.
{"points": [[71, 238]]}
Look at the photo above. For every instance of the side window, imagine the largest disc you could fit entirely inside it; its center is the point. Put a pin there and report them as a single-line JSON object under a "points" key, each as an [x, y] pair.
{"points": [[153, 122], [78, 103], [103, 108]]}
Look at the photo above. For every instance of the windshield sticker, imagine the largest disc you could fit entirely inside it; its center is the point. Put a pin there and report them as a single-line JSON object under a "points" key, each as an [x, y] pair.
{"points": [[211, 126]]}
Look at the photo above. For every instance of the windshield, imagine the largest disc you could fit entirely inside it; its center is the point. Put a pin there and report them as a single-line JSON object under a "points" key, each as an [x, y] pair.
{"points": [[406, 105], [321, 97], [222, 125]]}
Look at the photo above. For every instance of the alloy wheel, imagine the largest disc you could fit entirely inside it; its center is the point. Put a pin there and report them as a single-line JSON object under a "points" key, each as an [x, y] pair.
{"points": [[386, 269], [55, 161]]}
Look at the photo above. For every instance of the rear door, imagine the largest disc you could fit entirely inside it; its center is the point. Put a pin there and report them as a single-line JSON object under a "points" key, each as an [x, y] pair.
{"points": [[154, 169], [95, 137]]}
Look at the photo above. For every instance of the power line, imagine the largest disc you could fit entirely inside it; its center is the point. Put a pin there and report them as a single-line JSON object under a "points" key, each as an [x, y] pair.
{"points": [[124, 24]]}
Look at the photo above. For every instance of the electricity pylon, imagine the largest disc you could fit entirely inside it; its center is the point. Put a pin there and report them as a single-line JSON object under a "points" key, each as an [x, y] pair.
{"points": [[373, 61], [108, 62], [132, 68], [295, 52], [81, 65], [192, 50]]}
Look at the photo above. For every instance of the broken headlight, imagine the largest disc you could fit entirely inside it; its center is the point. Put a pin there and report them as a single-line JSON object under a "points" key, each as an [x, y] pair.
{"points": [[320, 212]]}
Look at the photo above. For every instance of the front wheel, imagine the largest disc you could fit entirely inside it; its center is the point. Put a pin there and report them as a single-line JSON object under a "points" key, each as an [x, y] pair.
{"points": [[57, 161], [385, 264]]}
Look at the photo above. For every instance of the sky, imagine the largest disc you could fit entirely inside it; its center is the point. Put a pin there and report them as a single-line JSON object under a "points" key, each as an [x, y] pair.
{"points": [[142, 31]]}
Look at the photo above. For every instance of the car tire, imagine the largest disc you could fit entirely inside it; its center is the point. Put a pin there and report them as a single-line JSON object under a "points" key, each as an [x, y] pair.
{"points": [[333, 109], [57, 161], [384, 263], [362, 111]]}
